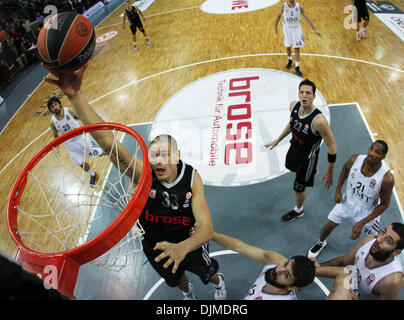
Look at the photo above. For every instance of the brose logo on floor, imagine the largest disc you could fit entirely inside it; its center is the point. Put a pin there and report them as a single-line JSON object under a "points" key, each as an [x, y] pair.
{"points": [[235, 6], [222, 122]]}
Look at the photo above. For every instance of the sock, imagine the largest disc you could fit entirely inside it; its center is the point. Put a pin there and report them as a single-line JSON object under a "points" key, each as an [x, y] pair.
{"points": [[358, 34], [219, 285], [363, 30], [134, 44], [320, 242], [290, 58], [297, 63], [190, 291], [91, 171], [298, 210]]}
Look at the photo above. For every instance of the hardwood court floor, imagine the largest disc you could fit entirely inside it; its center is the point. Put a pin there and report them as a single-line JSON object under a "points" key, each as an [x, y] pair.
{"points": [[188, 44]]}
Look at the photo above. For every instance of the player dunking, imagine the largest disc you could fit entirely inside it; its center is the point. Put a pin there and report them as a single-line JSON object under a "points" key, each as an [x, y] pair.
{"points": [[308, 127], [292, 31], [134, 14], [175, 205], [64, 120]]}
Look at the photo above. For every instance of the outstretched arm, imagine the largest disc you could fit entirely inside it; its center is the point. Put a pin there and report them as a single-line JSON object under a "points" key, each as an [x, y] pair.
{"points": [[284, 133], [309, 21], [342, 177], [278, 17], [260, 255], [70, 84], [141, 13]]}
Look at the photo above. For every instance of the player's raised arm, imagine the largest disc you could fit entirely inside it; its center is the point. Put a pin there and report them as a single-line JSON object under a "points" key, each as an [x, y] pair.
{"points": [[70, 83]]}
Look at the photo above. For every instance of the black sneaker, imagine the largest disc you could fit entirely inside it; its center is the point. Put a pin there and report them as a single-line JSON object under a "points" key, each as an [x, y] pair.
{"points": [[292, 215], [298, 72], [316, 249], [289, 65]]}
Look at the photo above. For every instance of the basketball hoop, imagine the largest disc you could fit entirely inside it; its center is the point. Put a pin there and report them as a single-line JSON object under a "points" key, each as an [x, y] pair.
{"points": [[61, 222]]}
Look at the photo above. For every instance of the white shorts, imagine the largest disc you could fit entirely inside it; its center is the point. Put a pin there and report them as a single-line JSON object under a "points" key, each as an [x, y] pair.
{"points": [[81, 147], [293, 37], [346, 212]]}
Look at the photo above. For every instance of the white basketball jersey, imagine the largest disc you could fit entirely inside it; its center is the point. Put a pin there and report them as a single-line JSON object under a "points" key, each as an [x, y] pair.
{"points": [[364, 191], [67, 123], [291, 16], [368, 278], [256, 293]]}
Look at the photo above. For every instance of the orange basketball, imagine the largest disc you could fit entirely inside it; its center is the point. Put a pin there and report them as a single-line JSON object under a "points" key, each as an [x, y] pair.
{"points": [[66, 41]]}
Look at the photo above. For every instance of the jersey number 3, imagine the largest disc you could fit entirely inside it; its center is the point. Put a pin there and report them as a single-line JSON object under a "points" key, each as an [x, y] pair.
{"points": [[170, 200]]}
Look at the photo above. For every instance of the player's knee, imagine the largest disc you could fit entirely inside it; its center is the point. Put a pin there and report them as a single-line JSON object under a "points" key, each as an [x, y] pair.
{"points": [[299, 187], [330, 226]]}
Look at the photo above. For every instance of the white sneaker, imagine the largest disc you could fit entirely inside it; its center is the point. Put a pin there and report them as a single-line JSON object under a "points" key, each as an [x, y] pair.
{"points": [[148, 41], [191, 296], [135, 47], [221, 294], [316, 249]]}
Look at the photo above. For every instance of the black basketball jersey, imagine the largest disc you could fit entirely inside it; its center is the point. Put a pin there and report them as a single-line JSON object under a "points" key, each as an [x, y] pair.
{"points": [[168, 214], [304, 141], [133, 15], [360, 3]]}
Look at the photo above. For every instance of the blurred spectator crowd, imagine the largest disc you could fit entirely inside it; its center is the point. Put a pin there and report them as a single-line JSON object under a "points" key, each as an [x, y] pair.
{"points": [[20, 23]]}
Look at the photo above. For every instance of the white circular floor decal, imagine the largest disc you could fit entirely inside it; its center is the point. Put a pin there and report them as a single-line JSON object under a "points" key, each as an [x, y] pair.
{"points": [[107, 36], [222, 121], [235, 6]]}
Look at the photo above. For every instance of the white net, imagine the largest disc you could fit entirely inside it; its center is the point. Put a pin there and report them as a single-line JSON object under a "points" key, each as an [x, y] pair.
{"points": [[63, 206]]}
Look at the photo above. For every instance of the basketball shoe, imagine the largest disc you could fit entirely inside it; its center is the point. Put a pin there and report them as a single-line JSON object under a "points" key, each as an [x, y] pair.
{"points": [[298, 72], [220, 293], [292, 216], [289, 65], [316, 249], [190, 296]]}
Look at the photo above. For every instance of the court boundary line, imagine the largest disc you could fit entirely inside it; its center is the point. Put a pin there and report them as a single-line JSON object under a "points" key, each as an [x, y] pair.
{"points": [[238, 57], [191, 65]]}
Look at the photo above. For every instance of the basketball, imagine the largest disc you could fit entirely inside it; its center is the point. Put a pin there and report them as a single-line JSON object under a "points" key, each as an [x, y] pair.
{"points": [[66, 41]]}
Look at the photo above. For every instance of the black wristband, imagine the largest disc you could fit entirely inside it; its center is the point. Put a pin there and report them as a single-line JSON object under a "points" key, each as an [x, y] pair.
{"points": [[332, 158]]}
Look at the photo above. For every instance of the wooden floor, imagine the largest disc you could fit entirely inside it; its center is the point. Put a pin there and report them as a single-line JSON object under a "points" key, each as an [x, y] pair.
{"points": [[182, 35]]}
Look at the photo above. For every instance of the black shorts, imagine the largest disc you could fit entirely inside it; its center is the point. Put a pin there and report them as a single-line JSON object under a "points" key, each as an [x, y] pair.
{"points": [[305, 169], [136, 25], [361, 13], [197, 262]]}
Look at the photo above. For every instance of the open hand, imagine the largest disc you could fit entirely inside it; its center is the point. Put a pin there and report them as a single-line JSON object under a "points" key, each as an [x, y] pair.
{"points": [[327, 178], [68, 82], [174, 251]]}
